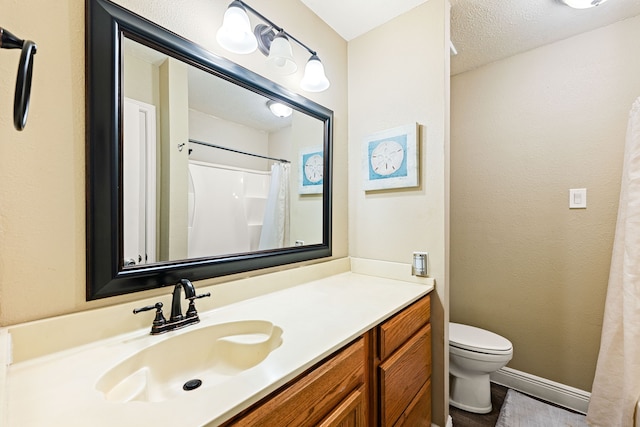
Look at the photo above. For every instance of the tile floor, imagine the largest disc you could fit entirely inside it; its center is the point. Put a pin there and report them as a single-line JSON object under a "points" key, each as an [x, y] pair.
{"points": [[467, 419]]}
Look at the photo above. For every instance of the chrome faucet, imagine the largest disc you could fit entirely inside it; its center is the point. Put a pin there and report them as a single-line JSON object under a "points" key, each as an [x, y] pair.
{"points": [[177, 319]]}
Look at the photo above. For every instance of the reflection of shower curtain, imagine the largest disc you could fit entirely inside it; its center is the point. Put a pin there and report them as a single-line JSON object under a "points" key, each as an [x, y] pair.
{"points": [[616, 387], [275, 227]]}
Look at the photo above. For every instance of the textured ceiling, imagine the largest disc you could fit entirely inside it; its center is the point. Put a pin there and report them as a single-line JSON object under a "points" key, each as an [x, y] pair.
{"points": [[482, 31]]}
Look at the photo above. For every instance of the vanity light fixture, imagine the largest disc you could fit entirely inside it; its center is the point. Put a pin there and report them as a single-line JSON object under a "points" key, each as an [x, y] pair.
{"points": [[236, 36], [314, 79], [278, 109], [281, 55], [583, 4]]}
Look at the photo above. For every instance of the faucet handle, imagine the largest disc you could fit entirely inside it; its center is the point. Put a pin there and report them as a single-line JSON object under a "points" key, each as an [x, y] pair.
{"points": [[191, 311], [159, 319]]}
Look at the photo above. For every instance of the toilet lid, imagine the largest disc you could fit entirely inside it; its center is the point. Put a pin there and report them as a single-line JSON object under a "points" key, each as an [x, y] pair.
{"points": [[479, 340]]}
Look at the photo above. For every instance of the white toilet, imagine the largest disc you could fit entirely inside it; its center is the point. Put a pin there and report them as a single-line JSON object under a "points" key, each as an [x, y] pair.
{"points": [[474, 353]]}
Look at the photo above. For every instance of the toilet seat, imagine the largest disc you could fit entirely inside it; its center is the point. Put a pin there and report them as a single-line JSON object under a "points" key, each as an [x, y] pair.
{"points": [[478, 340]]}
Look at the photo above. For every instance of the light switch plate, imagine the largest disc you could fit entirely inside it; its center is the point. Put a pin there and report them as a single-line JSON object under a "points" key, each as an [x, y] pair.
{"points": [[578, 198]]}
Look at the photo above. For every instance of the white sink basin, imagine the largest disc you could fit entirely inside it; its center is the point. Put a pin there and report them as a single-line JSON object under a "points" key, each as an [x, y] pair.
{"points": [[210, 354]]}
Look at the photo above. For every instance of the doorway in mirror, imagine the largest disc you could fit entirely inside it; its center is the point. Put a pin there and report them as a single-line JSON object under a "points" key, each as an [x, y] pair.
{"points": [[139, 178]]}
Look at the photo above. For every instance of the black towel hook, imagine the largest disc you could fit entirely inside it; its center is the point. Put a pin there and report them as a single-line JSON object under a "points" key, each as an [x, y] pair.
{"points": [[25, 71]]}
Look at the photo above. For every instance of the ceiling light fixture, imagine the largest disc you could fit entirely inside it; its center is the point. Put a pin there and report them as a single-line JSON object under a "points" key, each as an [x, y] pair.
{"points": [[278, 109], [236, 36], [583, 4]]}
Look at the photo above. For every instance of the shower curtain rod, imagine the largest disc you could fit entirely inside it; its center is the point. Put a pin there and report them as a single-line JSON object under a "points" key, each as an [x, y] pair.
{"points": [[238, 151]]}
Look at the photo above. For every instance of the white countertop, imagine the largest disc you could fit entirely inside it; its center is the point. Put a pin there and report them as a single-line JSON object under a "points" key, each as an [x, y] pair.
{"points": [[317, 318]]}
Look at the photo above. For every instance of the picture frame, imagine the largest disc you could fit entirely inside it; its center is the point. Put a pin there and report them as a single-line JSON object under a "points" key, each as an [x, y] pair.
{"points": [[390, 158], [311, 170]]}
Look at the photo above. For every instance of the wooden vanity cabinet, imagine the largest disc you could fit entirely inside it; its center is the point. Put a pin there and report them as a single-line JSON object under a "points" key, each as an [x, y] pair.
{"points": [[401, 375], [380, 379], [333, 393], [350, 413]]}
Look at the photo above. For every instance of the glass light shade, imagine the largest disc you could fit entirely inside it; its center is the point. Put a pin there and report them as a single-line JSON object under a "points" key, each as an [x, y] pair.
{"points": [[236, 35], [281, 56], [583, 4], [314, 79], [279, 110]]}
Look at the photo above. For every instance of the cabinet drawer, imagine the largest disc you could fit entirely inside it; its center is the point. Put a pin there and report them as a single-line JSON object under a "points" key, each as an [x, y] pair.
{"points": [[309, 399], [418, 414], [403, 374], [395, 331]]}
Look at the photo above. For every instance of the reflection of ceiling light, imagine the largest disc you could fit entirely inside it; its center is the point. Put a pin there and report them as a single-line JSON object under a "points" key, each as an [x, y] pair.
{"points": [[278, 109], [236, 36], [583, 4]]}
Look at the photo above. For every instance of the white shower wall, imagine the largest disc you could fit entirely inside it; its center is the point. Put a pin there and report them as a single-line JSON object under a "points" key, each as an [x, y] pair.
{"points": [[226, 209]]}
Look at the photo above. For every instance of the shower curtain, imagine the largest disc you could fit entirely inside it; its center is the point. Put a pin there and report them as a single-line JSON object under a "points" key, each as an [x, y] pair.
{"points": [[275, 226], [616, 386]]}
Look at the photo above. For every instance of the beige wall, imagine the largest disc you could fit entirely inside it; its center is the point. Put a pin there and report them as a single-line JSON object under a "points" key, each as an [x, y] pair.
{"points": [[174, 164], [398, 74], [523, 132], [306, 209], [211, 129], [141, 80], [42, 169]]}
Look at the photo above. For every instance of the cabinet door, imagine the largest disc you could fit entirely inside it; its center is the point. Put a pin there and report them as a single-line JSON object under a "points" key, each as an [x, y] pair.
{"points": [[350, 413], [403, 374], [308, 400], [418, 413]]}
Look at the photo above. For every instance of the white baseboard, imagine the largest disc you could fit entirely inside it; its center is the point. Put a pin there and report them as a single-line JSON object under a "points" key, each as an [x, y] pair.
{"points": [[449, 423], [560, 394]]}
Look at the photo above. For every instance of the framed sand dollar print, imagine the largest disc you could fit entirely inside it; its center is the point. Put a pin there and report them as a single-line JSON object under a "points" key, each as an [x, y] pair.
{"points": [[390, 158], [310, 176]]}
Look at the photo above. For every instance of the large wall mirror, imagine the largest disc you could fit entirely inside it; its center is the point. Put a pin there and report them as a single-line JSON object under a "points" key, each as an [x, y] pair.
{"points": [[196, 166]]}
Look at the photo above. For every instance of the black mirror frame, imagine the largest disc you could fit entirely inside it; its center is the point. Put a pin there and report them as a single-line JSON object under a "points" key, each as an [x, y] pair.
{"points": [[105, 25]]}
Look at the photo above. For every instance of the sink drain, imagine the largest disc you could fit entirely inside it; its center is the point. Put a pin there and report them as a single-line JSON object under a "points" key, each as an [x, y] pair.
{"points": [[191, 385]]}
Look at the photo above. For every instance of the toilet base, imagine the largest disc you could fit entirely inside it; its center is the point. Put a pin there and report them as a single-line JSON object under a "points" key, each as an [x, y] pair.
{"points": [[472, 394]]}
